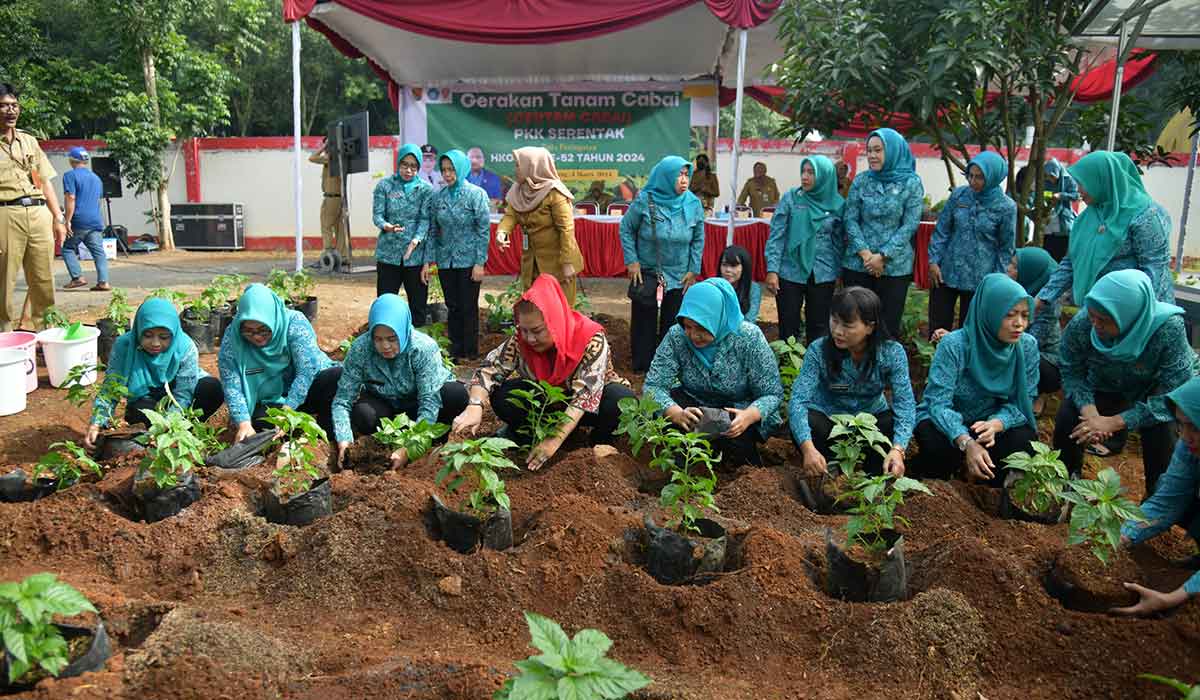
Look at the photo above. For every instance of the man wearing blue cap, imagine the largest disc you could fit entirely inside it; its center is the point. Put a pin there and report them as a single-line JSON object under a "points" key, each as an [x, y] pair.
{"points": [[83, 190]]}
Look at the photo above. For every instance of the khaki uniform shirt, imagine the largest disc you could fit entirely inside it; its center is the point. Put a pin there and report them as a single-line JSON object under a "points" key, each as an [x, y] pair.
{"points": [[760, 195], [549, 237], [330, 184], [24, 168], [706, 187]]}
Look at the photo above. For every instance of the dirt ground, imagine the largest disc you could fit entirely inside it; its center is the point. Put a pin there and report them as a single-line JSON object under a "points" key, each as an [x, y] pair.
{"points": [[218, 603]]}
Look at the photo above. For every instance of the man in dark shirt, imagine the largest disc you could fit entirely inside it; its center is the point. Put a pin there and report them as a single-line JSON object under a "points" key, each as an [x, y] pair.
{"points": [[83, 190]]}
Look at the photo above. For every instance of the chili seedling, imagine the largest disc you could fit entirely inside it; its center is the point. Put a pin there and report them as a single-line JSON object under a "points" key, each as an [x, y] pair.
{"points": [[1043, 478], [414, 437], [27, 610], [479, 459], [1100, 509], [296, 469], [67, 462], [543, 421]]}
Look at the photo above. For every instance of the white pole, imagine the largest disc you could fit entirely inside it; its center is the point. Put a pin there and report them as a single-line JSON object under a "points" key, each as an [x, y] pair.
{"points": [[737, 134], [1187, 200], [296, 145], [400, 106], [1118, 78]]}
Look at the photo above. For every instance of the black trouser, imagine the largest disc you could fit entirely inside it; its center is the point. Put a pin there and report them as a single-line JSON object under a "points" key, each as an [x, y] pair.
{"points": [[602, 423], [892, 291], [317, 403], [1158, 440], [941, 307], [388, 280], [370, 408], [821, 425], [648, 324], [1056, 246], [462, 303], [816, 300], [742, 449], [207, 398], [1049, 378], [939, 458]]}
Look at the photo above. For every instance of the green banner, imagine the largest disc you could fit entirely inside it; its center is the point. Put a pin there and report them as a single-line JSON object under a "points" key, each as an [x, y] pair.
{"points": [[610, 136]]}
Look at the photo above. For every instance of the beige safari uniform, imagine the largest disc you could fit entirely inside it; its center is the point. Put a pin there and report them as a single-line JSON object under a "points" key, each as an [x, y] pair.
{"points": [[707, 188], [333, 226], [760, 195], [548, 241], [26, 232]]}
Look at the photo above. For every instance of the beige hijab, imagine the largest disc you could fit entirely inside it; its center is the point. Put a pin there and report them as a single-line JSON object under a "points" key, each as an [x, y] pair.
{"points": [[536, 177]]}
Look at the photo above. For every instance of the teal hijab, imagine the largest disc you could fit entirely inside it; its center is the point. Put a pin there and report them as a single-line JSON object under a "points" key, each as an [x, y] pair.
{"points": [[408, 149], [898, 161], [661, 185], [141, 370], [996, 366], [1115, 187], [391, 311], [1128, 297], [462, 168], [261, 369], [1187, 397], [1034, 267], [1055, 170], [994, 170], [822, 201], [714, 305]]}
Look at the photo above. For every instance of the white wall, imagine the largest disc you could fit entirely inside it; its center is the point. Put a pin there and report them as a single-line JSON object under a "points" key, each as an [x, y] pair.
{"points": [[128, 210]]}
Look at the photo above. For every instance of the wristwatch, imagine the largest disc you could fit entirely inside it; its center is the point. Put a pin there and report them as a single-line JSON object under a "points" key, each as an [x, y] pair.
{"points": [[62, 219], [475, 402], [962, 442]]}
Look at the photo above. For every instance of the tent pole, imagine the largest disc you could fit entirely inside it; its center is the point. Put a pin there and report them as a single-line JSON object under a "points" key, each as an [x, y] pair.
{"points": [[299, 187], [737, 135], [1118, 79], [400, 113], [1187, 200]]}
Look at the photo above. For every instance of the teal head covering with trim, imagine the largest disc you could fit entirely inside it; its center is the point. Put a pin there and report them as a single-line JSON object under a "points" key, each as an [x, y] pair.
{"points": [[392, 312], [996, 366], [898, 161], [819, 203], [408, 149], [261, 369], [661, 185], [1127, 296], [994, 170], [1034, 267], [462, 168], [1187, 397], [141, 370], [714, 306]]}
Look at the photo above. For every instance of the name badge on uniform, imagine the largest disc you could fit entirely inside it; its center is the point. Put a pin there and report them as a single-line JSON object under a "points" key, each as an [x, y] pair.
{"points": [[524, 242], [256, 370], [373, 382], [839, 388]]}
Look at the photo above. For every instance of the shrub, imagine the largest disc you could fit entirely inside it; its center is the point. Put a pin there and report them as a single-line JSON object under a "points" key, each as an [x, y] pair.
{"points": [[1099, 511], [536, 401], [173, 448], [479, 459], [574, 668], [852, 436], [26, 623], [415, 438], [297, 468], [689, 494], [1043, 478], [119, 311], [67, 462], [874, 507]]}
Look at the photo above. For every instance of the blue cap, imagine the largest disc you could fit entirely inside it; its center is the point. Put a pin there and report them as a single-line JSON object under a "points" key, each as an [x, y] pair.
{"points": [[78, 153]]}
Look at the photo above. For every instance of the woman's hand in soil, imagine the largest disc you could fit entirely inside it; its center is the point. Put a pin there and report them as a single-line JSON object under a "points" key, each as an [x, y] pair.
{"points": [[468, 420], [686, 418], [1152, 601], [341, 452], [742, 418], [772, 283], [814, 461], [634, 272], [245, 429], [399, 458], [93, 433], [986, 431], [477, 273], [542, 452], [1096, 428], [894, 464], [979, 463]]}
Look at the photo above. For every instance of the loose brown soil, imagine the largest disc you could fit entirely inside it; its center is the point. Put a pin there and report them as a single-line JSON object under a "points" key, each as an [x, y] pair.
{"points": [[216, 602], [1082, 582]]}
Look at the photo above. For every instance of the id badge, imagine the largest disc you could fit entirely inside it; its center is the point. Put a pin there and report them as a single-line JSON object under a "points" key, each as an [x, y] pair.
{"points": [[524, 242], [658, 293], [839, 388]]}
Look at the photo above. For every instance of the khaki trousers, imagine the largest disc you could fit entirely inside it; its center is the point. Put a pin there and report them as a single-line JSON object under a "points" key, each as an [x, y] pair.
{"points": [[333, 227], [26, 242]]}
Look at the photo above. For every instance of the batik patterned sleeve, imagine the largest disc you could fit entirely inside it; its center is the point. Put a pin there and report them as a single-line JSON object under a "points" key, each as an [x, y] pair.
{"points": [[1149, 235], [587, 383], [1076, 352], [1006, 243], [349, 387], [307, 358], [755, 301], [231, 378], [1060, 281], [429, 374], [904, 403], [1174, 355], [664, 368], [803, 389], [186, 378], [899, 244], [631, 223], [854, 233], [1008, 413], [483, 225], [498, 366], [944, 373], [765, 382], [696, 246], [777, 239], [942, 230], [379, 203], [1173, 496]]}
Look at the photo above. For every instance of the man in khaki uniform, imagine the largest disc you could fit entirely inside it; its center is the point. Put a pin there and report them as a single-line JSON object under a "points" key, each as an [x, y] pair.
{"points": [[704, 184], [30, 218], [333, 225], [760, 191]]}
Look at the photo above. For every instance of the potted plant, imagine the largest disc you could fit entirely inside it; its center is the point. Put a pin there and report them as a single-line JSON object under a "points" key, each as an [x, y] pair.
{"points": [[117, 317], [850, 440], [34, 646], [298, 494], [500, 307], [174, 296], [872, 567], [280, 282], [642, 422], [376, 453], [196, 321], [789, 353], [487, 519], [569, 667], [111, 390], [435, 299], [63, 466], [538, 402], [691, 545], [165, 482], [1085, 576], [226, 289], [300, 297], [1034, 490]]}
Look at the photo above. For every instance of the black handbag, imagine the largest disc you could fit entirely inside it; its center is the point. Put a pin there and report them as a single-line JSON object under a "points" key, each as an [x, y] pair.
{"points": [[646, 292]]}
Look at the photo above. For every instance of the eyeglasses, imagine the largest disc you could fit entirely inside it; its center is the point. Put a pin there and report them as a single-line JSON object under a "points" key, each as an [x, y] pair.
{"points": [[259, 333], [406, 166]]}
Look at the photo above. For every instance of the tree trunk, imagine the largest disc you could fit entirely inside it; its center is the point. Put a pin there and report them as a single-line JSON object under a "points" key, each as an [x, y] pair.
{"points": [[166, 238]]}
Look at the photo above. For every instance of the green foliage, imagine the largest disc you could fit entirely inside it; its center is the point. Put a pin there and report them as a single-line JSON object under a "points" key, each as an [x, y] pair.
{"points": [[297, 465], [873, 511], [294, 288], [569, 668], [173, 448], [479, 459], [228, 287], [199, 308], [925, 351], [174, 296], [500, 306], [415, 438], [27, 611], [1099, 511], [916, 309], [690, 491], [1043, 478], [280, 282], [1185, 89], [67, 462], [583, 303], [789, 354], [1137, 130], [537, 402], [119, 310], [111, 390], [852, 436], [53, 317], [1187, 692], [344, 346], [434, 294], [437, 331], [642, 422]]}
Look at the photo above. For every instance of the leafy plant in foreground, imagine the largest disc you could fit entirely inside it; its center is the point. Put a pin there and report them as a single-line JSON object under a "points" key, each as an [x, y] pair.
{"points": [[536, 401], [852, 436], [1043, 478], [642, 422], [437, 331], [53, 317], [414, 437], [479, 459], [690, 492], [111, 390], [119, 311], [574, 668], [1187, 692], [789, 354], [67, 462], [873, 512], [26, 623], [1099, 511], [297, 465], [173, 448]]}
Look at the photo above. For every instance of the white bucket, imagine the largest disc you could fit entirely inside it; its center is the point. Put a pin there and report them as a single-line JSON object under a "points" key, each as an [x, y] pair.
{"points": [[26, 343], [61, 355], [12, 381]]}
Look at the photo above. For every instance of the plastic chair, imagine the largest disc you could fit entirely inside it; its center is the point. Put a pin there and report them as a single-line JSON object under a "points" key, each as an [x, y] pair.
{"points": [[587, 208], [768, 211], [617, 209], [743, 212]]}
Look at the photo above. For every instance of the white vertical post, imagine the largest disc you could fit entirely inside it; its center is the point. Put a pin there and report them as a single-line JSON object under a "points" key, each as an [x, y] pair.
{"points": [[1187, 200], [1118, 78], [400, 106], [737, 134], [299, 186]]}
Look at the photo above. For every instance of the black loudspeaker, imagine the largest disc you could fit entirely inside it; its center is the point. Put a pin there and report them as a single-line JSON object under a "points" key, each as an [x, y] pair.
{"points": [[109, 172], [355, 133]]}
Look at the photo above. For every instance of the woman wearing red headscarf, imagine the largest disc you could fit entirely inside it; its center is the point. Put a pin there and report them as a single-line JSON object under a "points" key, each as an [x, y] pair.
{"points": [[561, 346]]}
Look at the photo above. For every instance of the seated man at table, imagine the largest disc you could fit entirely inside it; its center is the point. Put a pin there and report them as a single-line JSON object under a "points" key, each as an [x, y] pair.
{"points": [[760, 190]]}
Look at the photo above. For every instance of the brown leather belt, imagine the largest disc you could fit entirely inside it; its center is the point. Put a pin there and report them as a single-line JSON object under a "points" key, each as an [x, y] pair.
{"points": [[332, 195], [24, 202]]}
